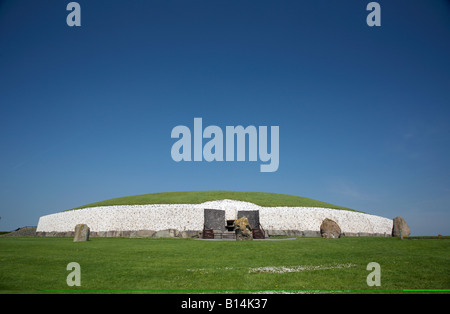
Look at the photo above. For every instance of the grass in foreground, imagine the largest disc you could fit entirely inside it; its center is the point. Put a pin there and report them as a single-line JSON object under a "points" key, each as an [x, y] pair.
{"points": [[197, 197], [38, 265]]}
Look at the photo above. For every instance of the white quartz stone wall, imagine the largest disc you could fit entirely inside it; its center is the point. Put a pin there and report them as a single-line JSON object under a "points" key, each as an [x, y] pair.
{"points": [[185, 217], [308, 218]]}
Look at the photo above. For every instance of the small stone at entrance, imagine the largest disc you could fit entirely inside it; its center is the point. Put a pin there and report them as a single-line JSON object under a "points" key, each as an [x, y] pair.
{"points": [[243, 229]]}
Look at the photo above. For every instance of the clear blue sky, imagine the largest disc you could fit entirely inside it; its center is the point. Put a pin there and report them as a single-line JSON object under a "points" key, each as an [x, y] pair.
{"points": [[86, 112]]}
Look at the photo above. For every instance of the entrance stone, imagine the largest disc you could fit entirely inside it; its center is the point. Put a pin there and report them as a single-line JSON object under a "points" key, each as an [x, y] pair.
{"points": [[242, 229]]}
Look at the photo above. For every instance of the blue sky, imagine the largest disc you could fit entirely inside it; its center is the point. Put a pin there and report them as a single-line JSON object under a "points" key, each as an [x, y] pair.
{"points": [[86, 112]]}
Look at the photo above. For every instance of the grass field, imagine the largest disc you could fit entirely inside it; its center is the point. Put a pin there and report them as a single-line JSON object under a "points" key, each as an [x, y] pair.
{"points": [[149, 265], [197, 197]]}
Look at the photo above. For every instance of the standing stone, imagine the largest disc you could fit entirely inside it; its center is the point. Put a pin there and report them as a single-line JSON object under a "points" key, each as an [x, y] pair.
{"points": [[214, 219], [400, 227], [81, 233], [330, 229], [243, 229]]}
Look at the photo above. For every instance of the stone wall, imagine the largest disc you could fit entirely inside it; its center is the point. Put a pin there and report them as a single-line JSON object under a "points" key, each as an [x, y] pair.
{"points": [[186, 220]]}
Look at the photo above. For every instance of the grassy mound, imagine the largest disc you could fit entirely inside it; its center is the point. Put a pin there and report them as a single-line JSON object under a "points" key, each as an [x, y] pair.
{"points": [[197, 197]]}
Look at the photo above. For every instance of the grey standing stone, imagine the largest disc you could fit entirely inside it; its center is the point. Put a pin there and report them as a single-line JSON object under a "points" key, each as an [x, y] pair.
{"points": [[81, 233], [400, 228], [214, 219]]}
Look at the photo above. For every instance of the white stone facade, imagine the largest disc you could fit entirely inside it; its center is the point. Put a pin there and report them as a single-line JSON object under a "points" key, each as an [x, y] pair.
{"points": [[190, 217]]}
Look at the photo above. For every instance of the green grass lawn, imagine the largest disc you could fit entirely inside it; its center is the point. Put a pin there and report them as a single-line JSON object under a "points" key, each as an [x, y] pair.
{"points": [[149, 265], [197, 197]]}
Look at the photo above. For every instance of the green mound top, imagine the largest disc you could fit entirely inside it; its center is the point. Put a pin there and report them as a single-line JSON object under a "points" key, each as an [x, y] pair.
{"points": [[197, 197]]}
